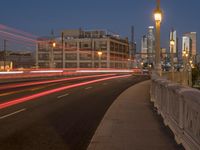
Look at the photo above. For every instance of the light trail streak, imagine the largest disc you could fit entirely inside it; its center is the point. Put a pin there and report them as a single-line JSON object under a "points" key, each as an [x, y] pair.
{"points": [[38, 95], [17, 40], [50, 81], [47, 71], [104, 71], [19, 36], [16, 31], [11, 72]]}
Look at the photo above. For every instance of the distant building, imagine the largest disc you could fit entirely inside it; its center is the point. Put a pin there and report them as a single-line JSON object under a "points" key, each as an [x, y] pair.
{"points": [[151, 45], [79, 49], [18, 59], [144, 48], [186, 44], [163, 53], [173, 36], [192, 47]]}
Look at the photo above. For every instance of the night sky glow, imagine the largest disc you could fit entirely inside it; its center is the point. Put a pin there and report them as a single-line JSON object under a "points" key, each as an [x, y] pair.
{"points": [[39, 17]]}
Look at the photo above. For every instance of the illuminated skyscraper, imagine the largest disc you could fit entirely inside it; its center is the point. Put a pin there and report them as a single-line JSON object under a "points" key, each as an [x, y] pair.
{"points": [[192, 47], [144, 48], [173, 36], [151, 44]]}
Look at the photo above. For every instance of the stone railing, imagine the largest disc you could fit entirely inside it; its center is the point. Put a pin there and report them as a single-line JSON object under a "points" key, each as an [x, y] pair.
{"points": [[180, 108]]}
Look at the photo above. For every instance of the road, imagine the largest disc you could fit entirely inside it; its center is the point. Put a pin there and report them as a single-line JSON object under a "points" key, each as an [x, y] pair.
{"points": [[63, 119]]}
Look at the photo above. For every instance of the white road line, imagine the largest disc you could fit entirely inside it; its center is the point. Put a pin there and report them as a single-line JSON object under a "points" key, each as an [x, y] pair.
{"points": [[87, 88], [11, 114], [61, 96]]}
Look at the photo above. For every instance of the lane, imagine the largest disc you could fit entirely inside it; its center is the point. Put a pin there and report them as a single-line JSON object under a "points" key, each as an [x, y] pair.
{"points": [[67, 123], [54, 90], [6, 95], [26, 84]]}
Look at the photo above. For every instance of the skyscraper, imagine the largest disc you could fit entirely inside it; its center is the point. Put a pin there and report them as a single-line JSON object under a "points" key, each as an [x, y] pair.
{"points": [[193, 39], [186, 44], [173, 36], [151, 44], [144, 48]]}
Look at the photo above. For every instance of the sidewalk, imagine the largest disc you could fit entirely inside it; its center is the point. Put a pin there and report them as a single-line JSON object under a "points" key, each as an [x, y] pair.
{"points": [[132, 124]]}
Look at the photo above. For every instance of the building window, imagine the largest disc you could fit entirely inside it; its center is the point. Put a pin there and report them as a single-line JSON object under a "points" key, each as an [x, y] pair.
{"points": [[85, 56], [85, 65], [43, 56], [57, 56], [71, 65], [71, 56]]}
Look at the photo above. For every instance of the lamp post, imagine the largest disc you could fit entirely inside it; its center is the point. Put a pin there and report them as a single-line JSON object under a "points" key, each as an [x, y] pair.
{"points": [[185, 65], [4, 54], [99, 54], [52, 54], [172, 43], [158, 19]]}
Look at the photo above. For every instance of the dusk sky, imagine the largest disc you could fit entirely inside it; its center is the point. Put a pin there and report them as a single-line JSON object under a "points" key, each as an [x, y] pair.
{"points": [[40, 16]]}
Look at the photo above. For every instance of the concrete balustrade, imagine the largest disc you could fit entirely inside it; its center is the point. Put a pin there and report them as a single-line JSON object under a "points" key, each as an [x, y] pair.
{"points": [[179, 107]]}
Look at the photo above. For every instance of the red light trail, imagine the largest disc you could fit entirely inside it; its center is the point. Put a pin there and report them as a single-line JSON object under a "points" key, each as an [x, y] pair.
{"points": [[41, 94], [50, 81]]}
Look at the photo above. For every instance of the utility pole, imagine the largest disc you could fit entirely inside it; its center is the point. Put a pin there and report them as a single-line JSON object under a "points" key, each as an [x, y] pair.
{"points": [[4, 56], [63, 51]]}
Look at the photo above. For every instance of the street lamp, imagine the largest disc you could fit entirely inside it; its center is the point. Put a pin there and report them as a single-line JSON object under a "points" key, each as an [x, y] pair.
{"points": [[172, 43], [187, 68], [158, 19], [99, 54], [52, 45]]}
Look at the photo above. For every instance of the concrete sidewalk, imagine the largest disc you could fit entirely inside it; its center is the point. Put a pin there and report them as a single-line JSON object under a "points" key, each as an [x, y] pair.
{"points": [[132, 124]]}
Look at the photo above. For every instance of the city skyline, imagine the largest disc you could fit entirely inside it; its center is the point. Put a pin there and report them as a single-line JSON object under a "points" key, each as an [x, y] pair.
{"points": [[39, 19]]}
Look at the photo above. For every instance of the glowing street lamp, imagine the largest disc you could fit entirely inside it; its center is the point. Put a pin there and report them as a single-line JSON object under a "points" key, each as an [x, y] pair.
{"points": [[99, 54], [158, 19], [52, 45], [172, 43]]}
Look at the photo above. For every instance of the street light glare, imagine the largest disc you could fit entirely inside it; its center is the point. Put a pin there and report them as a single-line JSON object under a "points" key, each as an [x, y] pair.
{"points": [[158, 16], [54, 44], [172, 42], [100, 53]]}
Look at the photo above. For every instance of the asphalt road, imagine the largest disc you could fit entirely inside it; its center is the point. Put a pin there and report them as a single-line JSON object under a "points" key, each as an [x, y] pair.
{"points": [[64, 120]]}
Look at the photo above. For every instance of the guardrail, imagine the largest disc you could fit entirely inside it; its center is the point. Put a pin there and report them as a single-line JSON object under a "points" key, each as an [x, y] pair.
{"points": [[179, 107]]}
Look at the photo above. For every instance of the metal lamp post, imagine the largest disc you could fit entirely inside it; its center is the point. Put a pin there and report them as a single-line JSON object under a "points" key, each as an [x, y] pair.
{"points": [[185, 65], [52, 55], [172, 43], [158, 19], [99, 54]]}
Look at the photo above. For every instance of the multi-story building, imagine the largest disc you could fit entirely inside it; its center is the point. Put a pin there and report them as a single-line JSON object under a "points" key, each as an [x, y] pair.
{"points": [[148, 46], [189, 43], [144, 48], [174, 49], [186, 44], [19, 59], [151, 45], [193, 38], [83, 49]]}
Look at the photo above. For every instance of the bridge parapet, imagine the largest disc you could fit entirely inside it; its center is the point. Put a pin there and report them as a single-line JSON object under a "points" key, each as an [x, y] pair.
{"points": [[179, 107]]}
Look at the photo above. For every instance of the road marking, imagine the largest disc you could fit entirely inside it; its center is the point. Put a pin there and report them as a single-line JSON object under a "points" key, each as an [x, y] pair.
{"points": [[11, 114], [87, 88], [61, 96]]}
